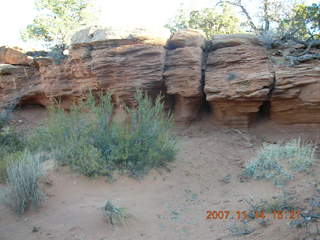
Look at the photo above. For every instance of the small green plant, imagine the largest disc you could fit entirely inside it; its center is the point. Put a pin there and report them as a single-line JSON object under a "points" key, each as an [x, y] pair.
{"points": [[240, 229], [115, 215], [282, 202], [23, 190], [279, 161]]}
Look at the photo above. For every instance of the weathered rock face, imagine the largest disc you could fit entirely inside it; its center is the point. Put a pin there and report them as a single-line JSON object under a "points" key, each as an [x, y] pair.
{"points": [[96, 62], [233, 73], [183, 73], [238, 79], [15, 82], [14, 56], [122, 66], [296, 95]]}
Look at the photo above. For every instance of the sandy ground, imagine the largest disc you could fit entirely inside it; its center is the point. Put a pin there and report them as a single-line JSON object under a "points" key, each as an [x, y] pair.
{"points": [[165, 204]]}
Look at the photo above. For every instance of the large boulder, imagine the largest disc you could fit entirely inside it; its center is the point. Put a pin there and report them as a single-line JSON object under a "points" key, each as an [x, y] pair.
{"points": [[183, 73], [238, 80], [14, 56]]}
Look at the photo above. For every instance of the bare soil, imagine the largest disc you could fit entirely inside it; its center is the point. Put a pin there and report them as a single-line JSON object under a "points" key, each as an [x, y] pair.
{"points": [[166, 204]]}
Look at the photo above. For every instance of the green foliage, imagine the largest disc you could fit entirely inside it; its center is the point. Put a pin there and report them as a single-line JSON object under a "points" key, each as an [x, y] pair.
{"points": [[282, 202], [240, 229], [303, 22], [4, 118], [209, 20], [58, 19], [148, 143], [56, 53], [279, 161], [10, 143], [6, 159], [23, 190], [115, 215], [87, 140]]}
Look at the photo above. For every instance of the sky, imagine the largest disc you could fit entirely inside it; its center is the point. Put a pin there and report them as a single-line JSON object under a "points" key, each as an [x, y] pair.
{"points": [[154, 14], [16, 14]]}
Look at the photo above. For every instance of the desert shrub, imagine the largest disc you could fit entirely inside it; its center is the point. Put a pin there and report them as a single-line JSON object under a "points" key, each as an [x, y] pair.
{"points": [[282, 202], [279, 161], [11, 142], [240, 229], [4, 118], [56, 53], [23, 190], [5, 161], [147, 142], [115, 215], [88, 141]]}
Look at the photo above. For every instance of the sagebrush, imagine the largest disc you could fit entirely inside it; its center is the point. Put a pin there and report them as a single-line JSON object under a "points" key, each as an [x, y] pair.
{"points": [[86, 139], [279, 162], [23, 190], [11, 144]]}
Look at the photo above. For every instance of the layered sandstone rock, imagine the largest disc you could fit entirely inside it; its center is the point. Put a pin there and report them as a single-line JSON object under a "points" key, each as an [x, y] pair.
{"points": [[183, 73], [122, 62], [16, 82], [13, 56], [238, 79], [232, 72], [296, 95], [115, 62]]}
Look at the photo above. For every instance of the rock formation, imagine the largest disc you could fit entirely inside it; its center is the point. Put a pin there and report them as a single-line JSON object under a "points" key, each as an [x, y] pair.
{"points": [[235, 74], [238, 79], [183, 73], [296, 94], [14, 56]]}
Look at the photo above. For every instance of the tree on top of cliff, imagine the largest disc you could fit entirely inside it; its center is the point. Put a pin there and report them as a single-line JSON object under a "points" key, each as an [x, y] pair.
{"points": [[58, 20], [266, 16], [209, 20], [304, 22], [284, 17]]}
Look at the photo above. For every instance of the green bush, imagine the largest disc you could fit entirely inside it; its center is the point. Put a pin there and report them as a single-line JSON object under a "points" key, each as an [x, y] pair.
{"points": [[88, 141], [10, 143], [279, 161], [150, 143], [4, 117], [23, 190], [4, 162]]}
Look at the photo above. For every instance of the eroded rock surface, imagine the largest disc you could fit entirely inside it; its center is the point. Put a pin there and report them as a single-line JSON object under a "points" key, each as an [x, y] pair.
{"points": [[238, 79], [122, 62], [296, 95], [117, 63], [233, 73], [14, 56], [17, 82], [183, 73]]}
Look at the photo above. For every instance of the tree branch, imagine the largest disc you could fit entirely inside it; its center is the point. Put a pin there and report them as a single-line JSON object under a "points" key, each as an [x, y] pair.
{"points": [[244, 11]]}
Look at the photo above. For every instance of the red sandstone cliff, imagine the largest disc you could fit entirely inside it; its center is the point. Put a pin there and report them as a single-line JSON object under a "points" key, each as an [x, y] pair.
{"points": [[233, 73]]}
